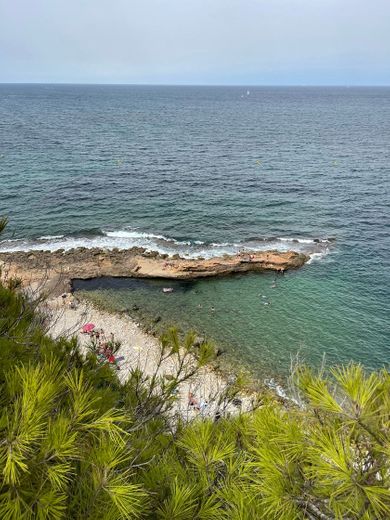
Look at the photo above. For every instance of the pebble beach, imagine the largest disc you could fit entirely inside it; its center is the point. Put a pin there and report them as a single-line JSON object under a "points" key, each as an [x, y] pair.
{"points": [[141, 350]]}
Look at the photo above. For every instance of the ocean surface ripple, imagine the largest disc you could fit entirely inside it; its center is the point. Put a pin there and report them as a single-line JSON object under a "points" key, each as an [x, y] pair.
{"points": [[210, 170]]}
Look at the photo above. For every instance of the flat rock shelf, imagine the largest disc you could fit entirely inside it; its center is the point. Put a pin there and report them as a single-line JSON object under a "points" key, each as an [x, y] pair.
{"points": [[57, 269]]}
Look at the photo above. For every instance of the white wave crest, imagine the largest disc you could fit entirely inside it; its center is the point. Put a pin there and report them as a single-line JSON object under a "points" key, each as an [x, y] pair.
{"points": [[132, 234], [50, 237], [10, 240], [304, 240], [139, 235], [298, 240], [128, 238], [317, 256]]}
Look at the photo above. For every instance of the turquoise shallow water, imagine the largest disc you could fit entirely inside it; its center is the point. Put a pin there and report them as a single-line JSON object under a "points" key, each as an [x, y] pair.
{"points": [[207, 170]]}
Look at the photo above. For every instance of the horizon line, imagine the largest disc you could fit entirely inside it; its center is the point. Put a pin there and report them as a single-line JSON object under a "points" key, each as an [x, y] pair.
{"points": [[339, 85]]}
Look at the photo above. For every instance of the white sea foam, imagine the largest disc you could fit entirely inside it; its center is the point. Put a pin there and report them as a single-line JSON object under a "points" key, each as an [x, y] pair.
{"points": [[221, 244], [297, 240], [139, 235], [122, 239], [50, 237], [128, 238], [132, 234], [317, 256]]}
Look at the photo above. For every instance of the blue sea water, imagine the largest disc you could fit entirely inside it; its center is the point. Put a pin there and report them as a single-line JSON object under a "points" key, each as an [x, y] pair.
{"points": [[208, 170]]}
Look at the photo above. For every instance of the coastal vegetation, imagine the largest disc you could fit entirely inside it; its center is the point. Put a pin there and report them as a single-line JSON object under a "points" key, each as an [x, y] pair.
{"points": [[76, 443]]}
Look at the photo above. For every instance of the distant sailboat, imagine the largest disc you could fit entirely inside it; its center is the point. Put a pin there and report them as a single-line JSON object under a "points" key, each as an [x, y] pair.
{"points": [[247, 92]]}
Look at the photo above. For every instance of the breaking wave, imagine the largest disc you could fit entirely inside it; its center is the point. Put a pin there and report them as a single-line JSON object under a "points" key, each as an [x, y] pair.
{"points": [[50, 237], [128, 238]]}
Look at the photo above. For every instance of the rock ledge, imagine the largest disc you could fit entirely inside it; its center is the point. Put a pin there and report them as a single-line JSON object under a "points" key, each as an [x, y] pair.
{"points": [[57, 269]]}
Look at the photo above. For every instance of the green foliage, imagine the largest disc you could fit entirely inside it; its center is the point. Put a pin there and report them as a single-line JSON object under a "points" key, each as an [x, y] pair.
{"points": [[53, 436], [75, 443]]}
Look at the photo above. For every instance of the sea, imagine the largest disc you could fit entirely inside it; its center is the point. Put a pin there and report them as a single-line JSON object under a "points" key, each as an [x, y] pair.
{"points": [[204, 171]]}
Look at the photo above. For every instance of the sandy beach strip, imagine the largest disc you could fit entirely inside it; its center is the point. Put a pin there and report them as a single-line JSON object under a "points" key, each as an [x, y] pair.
{"points": [[141, 350]]}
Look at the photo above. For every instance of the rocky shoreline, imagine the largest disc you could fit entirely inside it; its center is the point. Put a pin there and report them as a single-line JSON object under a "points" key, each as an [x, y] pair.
{"points": [[57, 269]]}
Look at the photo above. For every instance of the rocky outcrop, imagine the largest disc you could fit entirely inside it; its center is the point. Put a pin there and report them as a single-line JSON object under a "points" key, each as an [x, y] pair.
{"points": [[57, 269]]}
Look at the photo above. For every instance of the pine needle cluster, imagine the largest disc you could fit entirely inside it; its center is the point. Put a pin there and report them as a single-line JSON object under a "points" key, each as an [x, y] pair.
{"points": [[75, 443]]}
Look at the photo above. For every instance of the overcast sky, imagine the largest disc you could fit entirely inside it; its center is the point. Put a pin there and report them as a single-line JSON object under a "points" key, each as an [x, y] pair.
{"points": [[301, 42]]}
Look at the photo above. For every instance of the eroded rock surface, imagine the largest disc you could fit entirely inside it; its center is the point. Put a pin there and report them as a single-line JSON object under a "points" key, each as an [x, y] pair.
{"points": [[57, 269]]}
